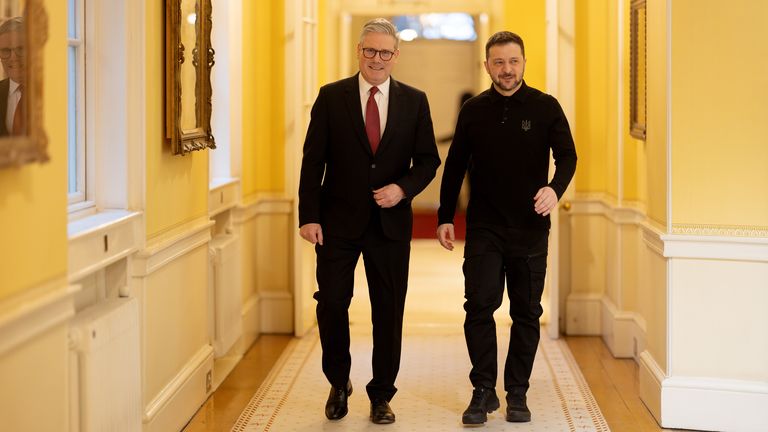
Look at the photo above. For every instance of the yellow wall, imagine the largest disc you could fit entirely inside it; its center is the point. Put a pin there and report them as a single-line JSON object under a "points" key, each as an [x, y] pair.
{"points": [[527, 19], [633, 153], [719, 110], [655, 148], [263, 97], [33, 201], [177, 186], [592, 97]]}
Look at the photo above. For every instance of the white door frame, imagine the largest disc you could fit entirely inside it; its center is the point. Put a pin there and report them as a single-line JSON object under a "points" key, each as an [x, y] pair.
{"points": [[560, 83]]}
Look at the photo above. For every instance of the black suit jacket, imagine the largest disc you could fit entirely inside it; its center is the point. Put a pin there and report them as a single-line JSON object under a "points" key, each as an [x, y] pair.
{"points": [[339, 171], [4, 86]]}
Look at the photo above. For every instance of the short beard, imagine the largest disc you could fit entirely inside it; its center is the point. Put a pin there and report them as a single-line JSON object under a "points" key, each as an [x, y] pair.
{"points": [[515, 84]]}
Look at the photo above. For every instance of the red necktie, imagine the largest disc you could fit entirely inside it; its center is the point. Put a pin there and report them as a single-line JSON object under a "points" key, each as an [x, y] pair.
{"points": [[18, 116], [372, 125]]}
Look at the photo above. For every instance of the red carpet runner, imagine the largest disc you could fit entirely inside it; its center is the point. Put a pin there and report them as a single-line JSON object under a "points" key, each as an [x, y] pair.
{"points": [[425, 225]]}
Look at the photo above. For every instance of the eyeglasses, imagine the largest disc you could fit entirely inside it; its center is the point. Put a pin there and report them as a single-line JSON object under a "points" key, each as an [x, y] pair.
{"points": [[5, 53], [384, 55]]}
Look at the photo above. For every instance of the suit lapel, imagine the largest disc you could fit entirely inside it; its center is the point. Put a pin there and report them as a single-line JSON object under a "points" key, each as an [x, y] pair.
{"points": [[352, 98], [4, 87], [393, 111]]}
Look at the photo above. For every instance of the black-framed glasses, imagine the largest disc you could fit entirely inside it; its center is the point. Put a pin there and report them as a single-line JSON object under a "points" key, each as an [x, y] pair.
{"points": [[5, 53], [384, 55]]}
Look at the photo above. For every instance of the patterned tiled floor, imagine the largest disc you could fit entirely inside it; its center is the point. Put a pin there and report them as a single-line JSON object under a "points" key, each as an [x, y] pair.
{"points": [[433, 384]]}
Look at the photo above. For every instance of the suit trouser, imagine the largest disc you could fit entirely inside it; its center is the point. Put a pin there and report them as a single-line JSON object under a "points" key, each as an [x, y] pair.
{"points": [[386, 270], [492, 254]]}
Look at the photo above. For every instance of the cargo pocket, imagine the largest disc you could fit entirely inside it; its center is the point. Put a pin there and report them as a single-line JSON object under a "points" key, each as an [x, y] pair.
{"points": [[537, 268]]}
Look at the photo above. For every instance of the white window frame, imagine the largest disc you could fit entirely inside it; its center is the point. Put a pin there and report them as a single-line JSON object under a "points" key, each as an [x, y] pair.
{"points": [[81, 201], [114, 128]]}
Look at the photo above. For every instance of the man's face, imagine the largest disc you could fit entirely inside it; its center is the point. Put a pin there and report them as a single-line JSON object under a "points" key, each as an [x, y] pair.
{"points": [[375, 70], [14, 65], [506, 66]]}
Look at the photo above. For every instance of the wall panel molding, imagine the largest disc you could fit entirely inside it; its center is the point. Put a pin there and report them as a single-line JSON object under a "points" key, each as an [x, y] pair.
{"points": [[719, 248], [172, 246], [34, 311]]}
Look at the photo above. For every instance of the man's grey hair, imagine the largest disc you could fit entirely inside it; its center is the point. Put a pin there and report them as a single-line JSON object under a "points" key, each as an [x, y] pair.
{"points": [[12, 25], [380, 25]]}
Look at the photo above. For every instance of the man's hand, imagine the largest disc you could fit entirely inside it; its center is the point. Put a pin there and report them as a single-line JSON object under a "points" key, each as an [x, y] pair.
{"points": [[388, 196], [312, 232], [446, 236], [545, 200]]}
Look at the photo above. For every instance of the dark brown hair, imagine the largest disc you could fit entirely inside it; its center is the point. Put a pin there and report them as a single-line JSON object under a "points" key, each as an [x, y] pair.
{"points": [[503, 38]]}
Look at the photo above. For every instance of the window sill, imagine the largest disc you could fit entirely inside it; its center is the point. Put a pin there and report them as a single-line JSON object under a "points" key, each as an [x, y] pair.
{"points": [[101, 239], [223, 194]]}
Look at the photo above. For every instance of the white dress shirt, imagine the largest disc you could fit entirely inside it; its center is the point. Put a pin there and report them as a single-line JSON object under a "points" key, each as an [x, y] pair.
{"points": [[381, 98], [13, 99]]}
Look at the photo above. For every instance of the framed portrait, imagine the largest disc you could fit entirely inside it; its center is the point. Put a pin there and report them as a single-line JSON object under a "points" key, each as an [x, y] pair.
{"points": [[637, 73], [189, 59], [23, 32]]}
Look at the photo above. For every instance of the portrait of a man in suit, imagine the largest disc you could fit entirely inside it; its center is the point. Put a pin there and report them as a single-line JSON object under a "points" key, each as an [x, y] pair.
{"points": [[12, 57]]}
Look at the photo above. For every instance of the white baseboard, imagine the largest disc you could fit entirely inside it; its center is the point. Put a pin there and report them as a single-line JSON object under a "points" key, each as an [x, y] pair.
{"points": [[251, 318], [583, 314], [702, 403], [172, 408], [223, 366], [623, 332], [650, 376], [276, 312], [714, 404]]}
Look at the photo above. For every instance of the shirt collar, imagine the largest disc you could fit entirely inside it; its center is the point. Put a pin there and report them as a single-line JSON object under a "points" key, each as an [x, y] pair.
{"points": [[365, 86], [12, 86], [520, 95]]}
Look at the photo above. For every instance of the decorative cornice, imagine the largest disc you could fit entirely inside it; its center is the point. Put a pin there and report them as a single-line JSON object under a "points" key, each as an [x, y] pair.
{"points": [[751, 231]]}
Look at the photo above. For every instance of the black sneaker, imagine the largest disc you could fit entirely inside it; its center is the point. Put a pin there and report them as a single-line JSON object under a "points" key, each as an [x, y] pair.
{"points": [[484, 401], [517, 409]]}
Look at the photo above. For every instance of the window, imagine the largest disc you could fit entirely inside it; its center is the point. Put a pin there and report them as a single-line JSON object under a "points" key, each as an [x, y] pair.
{"points": [[79, 196], [451, 26]]}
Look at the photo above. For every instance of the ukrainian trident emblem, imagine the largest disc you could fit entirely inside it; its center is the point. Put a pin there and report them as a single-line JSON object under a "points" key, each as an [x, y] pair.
{"points": [[526, 125]]}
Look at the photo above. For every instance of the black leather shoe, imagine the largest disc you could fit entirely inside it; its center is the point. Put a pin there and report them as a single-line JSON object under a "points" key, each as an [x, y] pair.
{"points": [[517, 409], [336, 407], [381, 413], [484, 401]]}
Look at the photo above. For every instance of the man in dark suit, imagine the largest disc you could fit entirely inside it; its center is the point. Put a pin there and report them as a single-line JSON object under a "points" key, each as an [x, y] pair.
{"points": [[370, 148], [12, 57]]}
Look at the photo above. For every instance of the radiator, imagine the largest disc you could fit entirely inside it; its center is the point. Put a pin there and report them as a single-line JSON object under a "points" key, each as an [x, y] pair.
{"points": [[227, 298], [106, 371]]}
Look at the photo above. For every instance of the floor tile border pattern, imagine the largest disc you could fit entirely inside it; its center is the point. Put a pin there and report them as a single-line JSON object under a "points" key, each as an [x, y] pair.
{"points": [[579, 406], [266, 403]]}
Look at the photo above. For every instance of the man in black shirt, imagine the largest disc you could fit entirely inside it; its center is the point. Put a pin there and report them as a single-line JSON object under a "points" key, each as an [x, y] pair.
{"points": [[503, 138]]}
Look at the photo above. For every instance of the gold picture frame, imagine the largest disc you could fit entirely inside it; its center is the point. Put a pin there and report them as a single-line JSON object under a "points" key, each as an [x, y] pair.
{"points": [[31, 143], [637, 71], [189, 59]]}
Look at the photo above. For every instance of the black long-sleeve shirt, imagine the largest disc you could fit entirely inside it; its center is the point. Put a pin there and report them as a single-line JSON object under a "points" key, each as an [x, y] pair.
{"points": [[504, 142]]}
